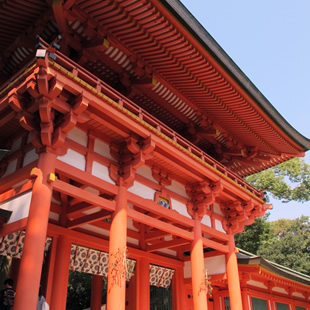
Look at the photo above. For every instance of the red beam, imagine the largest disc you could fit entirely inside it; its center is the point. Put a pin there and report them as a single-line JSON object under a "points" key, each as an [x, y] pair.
{"points": [[81, 194]]}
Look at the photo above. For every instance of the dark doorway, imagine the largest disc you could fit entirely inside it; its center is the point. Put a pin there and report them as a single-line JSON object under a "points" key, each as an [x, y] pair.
{"points": [[160, 298]]}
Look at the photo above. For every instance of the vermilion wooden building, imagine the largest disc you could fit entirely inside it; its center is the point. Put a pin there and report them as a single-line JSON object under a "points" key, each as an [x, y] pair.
{"points": [[124, 147]]}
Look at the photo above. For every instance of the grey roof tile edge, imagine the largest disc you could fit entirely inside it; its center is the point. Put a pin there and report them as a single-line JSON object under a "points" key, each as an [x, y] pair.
{"points": [[208, 42]]}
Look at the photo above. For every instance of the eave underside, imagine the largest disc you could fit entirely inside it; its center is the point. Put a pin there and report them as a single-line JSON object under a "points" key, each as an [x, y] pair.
{"points": [[141, 50]]}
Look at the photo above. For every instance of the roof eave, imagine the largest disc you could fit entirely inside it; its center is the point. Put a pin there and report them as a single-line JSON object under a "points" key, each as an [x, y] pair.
{"points": [[207, 41]]}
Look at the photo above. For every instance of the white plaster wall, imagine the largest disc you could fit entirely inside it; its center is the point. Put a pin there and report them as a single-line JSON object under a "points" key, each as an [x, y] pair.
{"points": [[217, 209], [177, 188], [146, 172], [142, 190], [16, 145], [54, 216], [279, 290], [168, 252], [30, 157], [130, 225], [10, 168], [187, 270], [102, 172], [219, 226], [96, 230], [297, 294], [206, 220], [216, 264], [74, 159], [103, 149], [179, 207], [19, 205], [257, 284], [78, 136]]}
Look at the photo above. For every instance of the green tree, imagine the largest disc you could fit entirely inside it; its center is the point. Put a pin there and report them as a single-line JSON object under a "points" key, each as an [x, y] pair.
{"points": [[253, 236], [289, 245], [289, 181]]}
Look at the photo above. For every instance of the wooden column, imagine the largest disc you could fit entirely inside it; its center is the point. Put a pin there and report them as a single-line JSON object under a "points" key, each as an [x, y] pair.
{"points": [[117, 253], [233, 277], [96, 292], [198, 268], [216, 299], [143, 284], [33, 251], [179, 294], [131, 289], [61, 274], [245, 299]]}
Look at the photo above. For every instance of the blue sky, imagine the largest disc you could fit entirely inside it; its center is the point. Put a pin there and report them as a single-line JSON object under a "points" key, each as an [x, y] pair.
{"points": [[269, 40]]}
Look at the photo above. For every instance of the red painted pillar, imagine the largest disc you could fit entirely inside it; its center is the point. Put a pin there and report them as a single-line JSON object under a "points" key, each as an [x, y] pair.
{"points": [[179, 298], [131, 288], [32, 258], [198, 268], [143, 284], [96, 292], [233, 277], [61, 274], [117, 253], [51, 267], [245, 299]]}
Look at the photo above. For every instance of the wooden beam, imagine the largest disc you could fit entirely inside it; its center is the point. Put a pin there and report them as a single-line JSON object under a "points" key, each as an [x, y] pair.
{"points": [[88, 219], [166, 245], [76, 192], [171, 229]]}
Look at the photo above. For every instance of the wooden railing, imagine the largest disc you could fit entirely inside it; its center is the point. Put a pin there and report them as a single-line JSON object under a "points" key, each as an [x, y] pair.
{"points": [[107, 90]]}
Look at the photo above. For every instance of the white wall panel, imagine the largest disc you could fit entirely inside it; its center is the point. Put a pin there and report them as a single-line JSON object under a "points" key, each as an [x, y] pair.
{"points": [[177, 188], [19, 205], [78, 136], [206, 220], [219, 226], [16, 145], [146, 172], [102, 172], [74, 159], [142, 190], [179, 207], [103, 149], [216, 264], [10, 168], [30, 157]]}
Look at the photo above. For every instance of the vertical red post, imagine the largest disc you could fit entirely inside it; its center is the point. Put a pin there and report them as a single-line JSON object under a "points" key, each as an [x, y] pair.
{"points": [[32, 258], [117, 253], [61, 274], [131, 289], [96, 292], [179, 298], [198, 268], [233, 276], [143, 284], [245, 299], [51, 267]]}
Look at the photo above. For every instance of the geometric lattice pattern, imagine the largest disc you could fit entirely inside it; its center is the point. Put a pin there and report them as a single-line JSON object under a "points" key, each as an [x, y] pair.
{"points": [[12, 244], [86, 260], [161, 276], [93, 261]]}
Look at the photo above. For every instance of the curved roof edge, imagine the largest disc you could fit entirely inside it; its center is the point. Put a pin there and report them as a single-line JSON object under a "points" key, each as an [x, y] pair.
{"points": [[208, 42], [245, 258]]}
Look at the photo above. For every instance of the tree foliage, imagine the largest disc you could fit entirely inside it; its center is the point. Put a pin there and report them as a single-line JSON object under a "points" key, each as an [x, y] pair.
{"points": [[290, 244], [285, 242], [289, 181], [252, 237], [79, 290]]}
